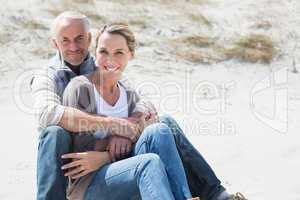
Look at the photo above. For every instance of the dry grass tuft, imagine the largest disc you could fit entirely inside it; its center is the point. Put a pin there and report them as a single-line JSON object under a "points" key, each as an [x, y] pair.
{"points": [[97, 20], [195, 49], [55, 8], [33, 25], [5, 38], [194, 40], [197, 1], [262, 25], [253, 48], [138, 23], [200, 19], [197, 56]]}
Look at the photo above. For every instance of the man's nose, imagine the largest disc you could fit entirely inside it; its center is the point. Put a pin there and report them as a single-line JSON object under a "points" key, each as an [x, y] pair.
{"points": [[73, 46]]}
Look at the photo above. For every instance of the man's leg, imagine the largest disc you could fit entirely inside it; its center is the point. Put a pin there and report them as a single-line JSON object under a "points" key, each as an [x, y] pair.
{"points": [[54, 141], [201, 178], [139, 177], [157, 138]]}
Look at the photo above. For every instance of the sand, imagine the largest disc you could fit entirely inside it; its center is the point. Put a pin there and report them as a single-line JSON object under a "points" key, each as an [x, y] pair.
{"points": [[243, 116]]}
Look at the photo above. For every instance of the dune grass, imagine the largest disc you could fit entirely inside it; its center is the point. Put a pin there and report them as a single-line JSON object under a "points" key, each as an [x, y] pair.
{"points": [[197, 56], [33, 25], [194, 40], [263, 24], [253, 48], [195, 48], [200, 19]]}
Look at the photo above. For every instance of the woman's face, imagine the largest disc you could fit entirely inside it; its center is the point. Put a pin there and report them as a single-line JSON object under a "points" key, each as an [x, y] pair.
{"points": [[112, 53]]}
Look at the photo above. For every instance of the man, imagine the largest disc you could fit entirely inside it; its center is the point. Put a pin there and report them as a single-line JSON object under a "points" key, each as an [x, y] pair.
{"points": [[72, 38]]}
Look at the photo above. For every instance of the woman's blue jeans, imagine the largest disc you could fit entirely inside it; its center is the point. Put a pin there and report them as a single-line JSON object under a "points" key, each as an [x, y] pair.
{"points": [[55, 141], [133, 177]]}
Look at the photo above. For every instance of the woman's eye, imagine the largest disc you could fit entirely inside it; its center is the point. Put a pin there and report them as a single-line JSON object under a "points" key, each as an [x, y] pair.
{"points": [[120, 53]]}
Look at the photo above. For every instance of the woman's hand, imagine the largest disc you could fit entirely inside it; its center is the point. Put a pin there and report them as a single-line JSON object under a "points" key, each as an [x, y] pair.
{"points": [[84, 163], [118, 147]]}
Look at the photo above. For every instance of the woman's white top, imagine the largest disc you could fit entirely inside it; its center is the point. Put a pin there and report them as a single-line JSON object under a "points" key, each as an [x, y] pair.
{"points": [[120, 109]]}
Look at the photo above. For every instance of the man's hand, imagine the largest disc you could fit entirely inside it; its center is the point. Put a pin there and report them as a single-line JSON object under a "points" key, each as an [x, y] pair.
{"points": [[125, 128], [143, 120], [84, 163], [118, 147]]}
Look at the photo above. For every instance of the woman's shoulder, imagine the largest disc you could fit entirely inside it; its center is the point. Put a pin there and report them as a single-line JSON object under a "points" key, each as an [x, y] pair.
{"points": [[79, 83], [80, 80]]}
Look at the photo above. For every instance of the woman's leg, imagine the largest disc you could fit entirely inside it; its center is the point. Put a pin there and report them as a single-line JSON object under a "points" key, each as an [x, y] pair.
{"points": [[157, 138], [201, 178], [139, 176]]}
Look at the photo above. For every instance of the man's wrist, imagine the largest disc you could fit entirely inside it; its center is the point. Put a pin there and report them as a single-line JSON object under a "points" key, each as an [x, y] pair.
{"points": [[103, 123]]}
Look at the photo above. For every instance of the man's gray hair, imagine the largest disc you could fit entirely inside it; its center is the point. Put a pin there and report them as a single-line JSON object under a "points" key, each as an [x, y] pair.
{"points": [[69, 15]]}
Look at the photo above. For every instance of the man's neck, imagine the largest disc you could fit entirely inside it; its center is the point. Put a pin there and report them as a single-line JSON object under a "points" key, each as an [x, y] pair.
{"points": [[76, 68]]}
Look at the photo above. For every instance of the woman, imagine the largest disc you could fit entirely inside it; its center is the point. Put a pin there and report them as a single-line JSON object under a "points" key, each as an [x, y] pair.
{"points": [[151, 172]]}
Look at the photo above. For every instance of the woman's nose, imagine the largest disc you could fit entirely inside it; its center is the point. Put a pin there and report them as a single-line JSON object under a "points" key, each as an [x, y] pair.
{"points": [[110, 60]]}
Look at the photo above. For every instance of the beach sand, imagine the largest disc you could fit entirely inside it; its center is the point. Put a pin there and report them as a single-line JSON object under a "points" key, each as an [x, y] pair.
{"points": [[241, 110]]}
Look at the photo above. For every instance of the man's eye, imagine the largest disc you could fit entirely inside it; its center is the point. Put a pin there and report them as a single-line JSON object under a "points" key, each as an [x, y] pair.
{"points": [[103, 52], [80, 39], [119, 53]]}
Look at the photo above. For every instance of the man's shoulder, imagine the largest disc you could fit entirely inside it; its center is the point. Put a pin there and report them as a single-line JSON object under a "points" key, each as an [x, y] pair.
{"points": [[52, 67]]}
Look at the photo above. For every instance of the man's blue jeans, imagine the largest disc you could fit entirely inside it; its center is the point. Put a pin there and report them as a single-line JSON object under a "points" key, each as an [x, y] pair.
{"points": [[201, 178], [55, 141], [128, 179]]}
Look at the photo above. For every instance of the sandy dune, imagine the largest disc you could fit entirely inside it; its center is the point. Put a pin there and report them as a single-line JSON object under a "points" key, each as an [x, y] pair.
{"points": [[236, 96]]}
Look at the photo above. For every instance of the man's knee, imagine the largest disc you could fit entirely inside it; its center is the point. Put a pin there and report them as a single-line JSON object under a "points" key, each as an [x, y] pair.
{"points": [[56, 134]]}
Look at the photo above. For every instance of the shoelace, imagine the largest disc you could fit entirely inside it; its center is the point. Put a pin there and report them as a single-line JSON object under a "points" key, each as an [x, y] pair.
{"points": [[238, 196]]}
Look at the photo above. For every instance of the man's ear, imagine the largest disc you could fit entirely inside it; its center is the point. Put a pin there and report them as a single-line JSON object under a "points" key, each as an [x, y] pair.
{"points": [[54, 43], [90, 38]]}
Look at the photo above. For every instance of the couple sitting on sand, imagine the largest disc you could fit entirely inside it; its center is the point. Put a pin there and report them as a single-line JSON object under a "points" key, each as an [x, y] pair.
{"points": [[99, 138]]}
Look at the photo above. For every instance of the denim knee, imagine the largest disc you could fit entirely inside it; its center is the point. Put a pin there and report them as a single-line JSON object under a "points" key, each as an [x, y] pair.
{"points": [[151, 161], [167, 119], [57, 135], [158, 135]]}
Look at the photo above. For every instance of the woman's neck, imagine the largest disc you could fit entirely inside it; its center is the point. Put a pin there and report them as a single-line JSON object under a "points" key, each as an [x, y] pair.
{"points": [[104, 83]]}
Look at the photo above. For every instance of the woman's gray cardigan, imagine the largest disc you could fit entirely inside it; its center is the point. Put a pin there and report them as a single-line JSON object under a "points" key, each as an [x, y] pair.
{"points": [[80, 94]]}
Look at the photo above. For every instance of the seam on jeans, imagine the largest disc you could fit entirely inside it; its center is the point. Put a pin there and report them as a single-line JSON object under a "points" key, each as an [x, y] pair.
{"points": [[140, 146], [129, 169], [149, 185]]}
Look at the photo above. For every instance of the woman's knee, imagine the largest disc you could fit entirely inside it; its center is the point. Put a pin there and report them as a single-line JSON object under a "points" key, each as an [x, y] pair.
{"points": [[157, 130], [151, 161], [168, 120], [158, 135]]}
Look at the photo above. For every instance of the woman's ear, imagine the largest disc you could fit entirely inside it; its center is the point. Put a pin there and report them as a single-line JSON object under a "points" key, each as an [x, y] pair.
{"points": [[131, 55]]}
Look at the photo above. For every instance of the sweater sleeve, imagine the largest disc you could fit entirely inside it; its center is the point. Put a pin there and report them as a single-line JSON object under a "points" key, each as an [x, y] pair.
{"points": [[47, 103]]}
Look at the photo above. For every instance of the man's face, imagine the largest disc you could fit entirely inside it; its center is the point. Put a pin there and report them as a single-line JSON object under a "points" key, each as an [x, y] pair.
{"points": [[72, 40]]}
